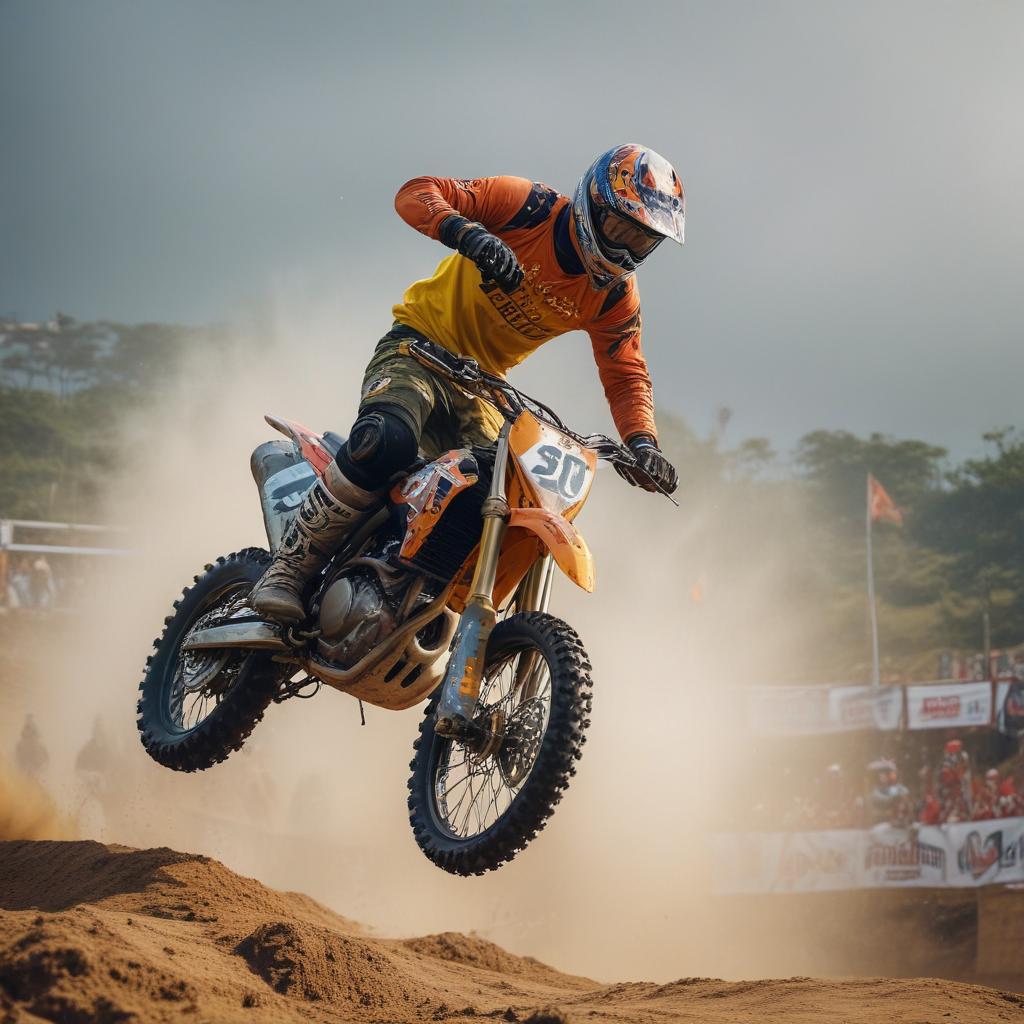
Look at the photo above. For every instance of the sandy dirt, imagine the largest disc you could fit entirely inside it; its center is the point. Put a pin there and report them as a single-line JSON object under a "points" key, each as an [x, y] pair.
{"points": [[90, 932]]}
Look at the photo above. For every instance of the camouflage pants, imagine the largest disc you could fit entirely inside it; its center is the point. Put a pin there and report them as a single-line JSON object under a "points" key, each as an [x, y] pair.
{"points": [[440, 415]]}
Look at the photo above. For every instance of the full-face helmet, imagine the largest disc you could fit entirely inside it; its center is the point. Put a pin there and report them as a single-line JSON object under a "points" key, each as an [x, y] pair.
{"points": [[629, 200]]}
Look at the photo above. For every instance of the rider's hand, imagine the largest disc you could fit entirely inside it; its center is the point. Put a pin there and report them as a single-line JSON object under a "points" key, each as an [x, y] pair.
{"points": [[494, 259], [650, 459]]}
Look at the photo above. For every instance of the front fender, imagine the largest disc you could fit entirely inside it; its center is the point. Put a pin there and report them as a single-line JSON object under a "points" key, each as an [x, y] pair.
{"points": [[562, 539]]}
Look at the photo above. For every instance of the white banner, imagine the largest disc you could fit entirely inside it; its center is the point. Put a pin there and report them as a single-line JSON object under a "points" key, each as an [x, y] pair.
{"points": [[903, 857], [938, 706], [817, 861], [814, 710], [786, 861], [964, 855], [986, 852], [865, 707], [787, 710]]}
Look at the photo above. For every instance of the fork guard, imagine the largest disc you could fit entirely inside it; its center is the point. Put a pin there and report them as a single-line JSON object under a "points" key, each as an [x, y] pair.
{"points": [[561, 539]]}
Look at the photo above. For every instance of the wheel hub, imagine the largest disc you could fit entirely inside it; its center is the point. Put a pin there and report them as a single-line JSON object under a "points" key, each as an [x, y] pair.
{"points": [[523, 734], [201, 667]]}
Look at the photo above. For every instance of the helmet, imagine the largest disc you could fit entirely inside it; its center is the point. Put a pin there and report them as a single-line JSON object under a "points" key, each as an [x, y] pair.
{"points": [[627, 202]]}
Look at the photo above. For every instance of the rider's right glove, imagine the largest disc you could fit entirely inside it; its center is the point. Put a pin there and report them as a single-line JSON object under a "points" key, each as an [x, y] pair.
{"points": [[653, 463], [494, 259]]}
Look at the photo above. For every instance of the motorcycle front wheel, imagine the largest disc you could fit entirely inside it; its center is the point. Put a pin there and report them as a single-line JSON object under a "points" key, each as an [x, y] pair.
{"points": [[472, 812]]}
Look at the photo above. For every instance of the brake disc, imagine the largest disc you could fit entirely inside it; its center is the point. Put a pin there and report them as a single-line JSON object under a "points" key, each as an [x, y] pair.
{"points": [[523, 734], [200, 667]]}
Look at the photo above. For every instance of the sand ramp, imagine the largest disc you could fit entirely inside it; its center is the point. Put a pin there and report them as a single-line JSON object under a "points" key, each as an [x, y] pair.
{"points": [[104, 933]]}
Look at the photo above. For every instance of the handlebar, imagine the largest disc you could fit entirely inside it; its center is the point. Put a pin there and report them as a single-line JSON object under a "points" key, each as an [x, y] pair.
{"points": [[467, 375]]}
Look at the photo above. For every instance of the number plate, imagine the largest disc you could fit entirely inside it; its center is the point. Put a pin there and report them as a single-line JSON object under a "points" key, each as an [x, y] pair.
{"points": [[558, 470]]}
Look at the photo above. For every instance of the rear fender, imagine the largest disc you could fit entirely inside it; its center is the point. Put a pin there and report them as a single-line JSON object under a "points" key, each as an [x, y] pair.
{"points": [[311, 444], [562, 539]]}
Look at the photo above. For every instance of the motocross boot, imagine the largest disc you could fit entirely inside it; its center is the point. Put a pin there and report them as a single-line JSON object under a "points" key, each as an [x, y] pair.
{"points": [[332, 508]]}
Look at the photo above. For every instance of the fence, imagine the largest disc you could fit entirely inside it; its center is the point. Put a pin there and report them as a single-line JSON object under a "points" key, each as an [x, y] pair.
{"points": [[43, 565], [963, 855]]}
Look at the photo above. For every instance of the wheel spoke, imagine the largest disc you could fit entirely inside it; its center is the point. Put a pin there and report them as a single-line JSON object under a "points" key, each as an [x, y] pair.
{"points": [[188, 708], [481, 790], [474, 803]]}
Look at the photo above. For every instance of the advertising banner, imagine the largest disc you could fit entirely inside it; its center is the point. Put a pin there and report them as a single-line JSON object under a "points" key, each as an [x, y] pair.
{"points": [[814, 710], [1010, 707], [787, 710], [903, 857], [964, 855], [986, 852], [864, 707], [817, 861], [763, 862], [949, 704]]}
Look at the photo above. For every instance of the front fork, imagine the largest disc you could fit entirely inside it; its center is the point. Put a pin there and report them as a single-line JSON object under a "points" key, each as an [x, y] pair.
{"points": [[461, 687], [457, 709]]}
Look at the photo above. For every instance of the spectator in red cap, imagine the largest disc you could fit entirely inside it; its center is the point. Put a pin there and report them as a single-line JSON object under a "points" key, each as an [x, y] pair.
{"points": [[986, 801], [955, 782]]}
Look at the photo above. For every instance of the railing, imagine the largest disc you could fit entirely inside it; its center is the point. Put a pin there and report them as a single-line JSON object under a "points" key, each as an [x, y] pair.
{"points": [[29, 581]]}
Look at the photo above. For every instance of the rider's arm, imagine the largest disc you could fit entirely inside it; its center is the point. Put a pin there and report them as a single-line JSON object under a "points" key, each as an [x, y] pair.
{"points": [[425, 203], [615, 336]]}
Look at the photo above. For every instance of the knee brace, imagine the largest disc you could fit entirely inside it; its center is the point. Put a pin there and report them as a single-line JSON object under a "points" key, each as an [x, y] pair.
{"points": [[380, 445]]}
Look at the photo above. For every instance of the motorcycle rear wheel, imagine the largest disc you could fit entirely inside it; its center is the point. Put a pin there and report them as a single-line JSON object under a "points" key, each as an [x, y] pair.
{"points": [[521, 783], [240, 690]]}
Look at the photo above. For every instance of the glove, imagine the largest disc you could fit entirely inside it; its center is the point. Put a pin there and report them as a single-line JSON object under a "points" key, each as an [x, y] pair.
{"points": [[494, 259], [651, 460]]}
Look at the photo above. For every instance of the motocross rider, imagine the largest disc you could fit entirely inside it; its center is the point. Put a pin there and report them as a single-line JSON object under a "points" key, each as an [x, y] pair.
{"points": [[529, 265]]}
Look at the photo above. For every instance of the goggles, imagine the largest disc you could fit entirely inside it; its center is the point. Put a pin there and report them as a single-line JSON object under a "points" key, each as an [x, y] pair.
{"points": [[620, 232]]}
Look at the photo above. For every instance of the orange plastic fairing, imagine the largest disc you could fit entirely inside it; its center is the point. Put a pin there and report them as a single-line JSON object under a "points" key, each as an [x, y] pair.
{"points": [[311, 446], [551, 470], [428, 492], [562, 539]]}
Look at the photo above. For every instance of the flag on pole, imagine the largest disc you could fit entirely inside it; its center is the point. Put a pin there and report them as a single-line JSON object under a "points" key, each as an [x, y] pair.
{"points": [[880, 505]]}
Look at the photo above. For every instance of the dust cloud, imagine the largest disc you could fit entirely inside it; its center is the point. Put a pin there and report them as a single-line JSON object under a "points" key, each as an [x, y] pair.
{"points": [[28, 811], [619, 883]]}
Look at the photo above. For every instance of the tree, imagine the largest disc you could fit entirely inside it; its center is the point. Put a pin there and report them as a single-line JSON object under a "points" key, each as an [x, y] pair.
{"points": [[978, 521], [60, 355], [837, 463]]}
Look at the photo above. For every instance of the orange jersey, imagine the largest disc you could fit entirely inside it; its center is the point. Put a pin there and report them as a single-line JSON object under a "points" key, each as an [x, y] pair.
{"points": [[457, 310]]}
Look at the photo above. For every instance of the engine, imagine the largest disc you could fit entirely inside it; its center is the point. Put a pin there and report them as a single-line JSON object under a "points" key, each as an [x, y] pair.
{"points": [[377, 592], [356, 613]]}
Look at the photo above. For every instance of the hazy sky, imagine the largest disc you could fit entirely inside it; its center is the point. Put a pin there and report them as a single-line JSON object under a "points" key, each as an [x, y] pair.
{"points": [[854, 172]]}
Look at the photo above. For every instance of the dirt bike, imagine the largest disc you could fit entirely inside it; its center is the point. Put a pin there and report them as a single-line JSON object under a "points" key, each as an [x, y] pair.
{"points": [[407, 610]]}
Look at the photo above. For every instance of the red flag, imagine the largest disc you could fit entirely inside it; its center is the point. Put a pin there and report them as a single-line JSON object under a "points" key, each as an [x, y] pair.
{"points": [[880, 505]]}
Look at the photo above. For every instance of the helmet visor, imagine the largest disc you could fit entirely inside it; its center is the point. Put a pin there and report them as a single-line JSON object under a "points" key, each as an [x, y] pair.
{"points": [[661, 205], [622, 233]]}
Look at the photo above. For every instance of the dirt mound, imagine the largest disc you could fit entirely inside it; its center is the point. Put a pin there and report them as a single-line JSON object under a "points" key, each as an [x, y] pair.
{"points": [[456, 948], [71, 967], [163, 883], [108, 934], [320, 965]]}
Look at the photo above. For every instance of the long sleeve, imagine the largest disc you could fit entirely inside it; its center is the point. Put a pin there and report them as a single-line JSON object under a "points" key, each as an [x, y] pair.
{"points": [[615, 337], [424, 203]]}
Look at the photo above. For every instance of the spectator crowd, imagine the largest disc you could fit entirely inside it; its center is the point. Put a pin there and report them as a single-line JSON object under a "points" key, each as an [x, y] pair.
{"points": [[946, 789], [29, 581]]}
